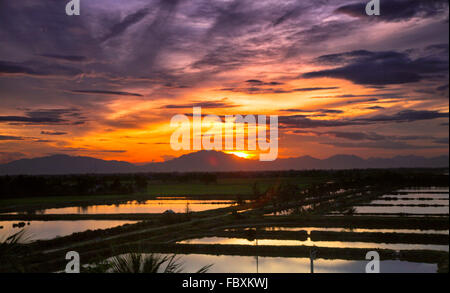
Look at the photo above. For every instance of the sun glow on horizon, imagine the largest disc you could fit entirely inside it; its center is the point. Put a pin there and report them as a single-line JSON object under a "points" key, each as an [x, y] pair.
{"points": [[241, 154]]}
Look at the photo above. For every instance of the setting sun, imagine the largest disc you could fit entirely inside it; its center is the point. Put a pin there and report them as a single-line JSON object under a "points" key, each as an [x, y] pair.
{"points": [[243, 155]]}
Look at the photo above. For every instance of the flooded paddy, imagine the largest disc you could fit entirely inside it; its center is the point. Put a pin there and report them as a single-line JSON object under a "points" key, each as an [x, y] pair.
{"points": [[309, 242], [357, 230], [46, 230], [425, 190], [427, 201], [259, 264], [443, 202], [401, 209], [298, 265], [139, 207], [421, 196], [249, 264]]}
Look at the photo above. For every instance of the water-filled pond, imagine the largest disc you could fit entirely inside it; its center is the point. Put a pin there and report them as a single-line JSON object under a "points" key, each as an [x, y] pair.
{"points": [[430, 196], [44, 230], [425, 190], [137, 207], [253, 264], [401, 209], [411, 202], [358, 230], [309, 242]]}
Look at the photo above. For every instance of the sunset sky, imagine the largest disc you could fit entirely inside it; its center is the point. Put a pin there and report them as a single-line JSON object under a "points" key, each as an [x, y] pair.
{"points": [[106, 83]]}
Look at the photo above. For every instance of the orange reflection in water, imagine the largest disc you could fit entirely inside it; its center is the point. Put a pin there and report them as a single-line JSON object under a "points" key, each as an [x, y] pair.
{"points": [[309, 242], [149, 206], [44, 230]]}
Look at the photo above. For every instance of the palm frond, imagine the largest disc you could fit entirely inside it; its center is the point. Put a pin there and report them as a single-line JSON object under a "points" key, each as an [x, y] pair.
{"points": [[140, 263]]}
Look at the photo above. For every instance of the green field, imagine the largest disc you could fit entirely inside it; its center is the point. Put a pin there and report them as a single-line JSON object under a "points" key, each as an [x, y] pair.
{"points": [[225, 188]]}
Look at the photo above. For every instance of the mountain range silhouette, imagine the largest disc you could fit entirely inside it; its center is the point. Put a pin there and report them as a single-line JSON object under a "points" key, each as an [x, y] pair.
{"points": [[210, 161]]}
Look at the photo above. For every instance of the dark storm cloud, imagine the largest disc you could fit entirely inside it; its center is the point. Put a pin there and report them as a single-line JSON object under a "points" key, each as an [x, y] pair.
{"points": [[380, 68], [291, 12], [243, 31], [71, 58], [393, 145], [398, 10], [356, 135], [40, 120], [362, 101], [301, 121], [32, 28], [437, 49], [256, 86], [128, 21], [91, 150], [323, 32], [443, 140], [225, 57], [105, 92], [375, 108], [46, 116], [310, 89], [15, 68], [255, 81], [52, 113], [366, 136], [53, 133], [10, 137], [233, 18], [160, 33], [261, 90], [442, 87], [211, 105], [380, 95], [258, 82], [37, 69], [406, 116], [323, 111]]}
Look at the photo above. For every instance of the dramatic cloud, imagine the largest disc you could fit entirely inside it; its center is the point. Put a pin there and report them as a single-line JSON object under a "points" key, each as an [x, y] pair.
{"points": [[380, 68], [399, 10], [53, 133], [300, 121], [261, 83], [37, 69], [322, 111], [442, 140], [72, 58], [101, 92], [394, 145], [124, 67], [375, 108], [37, 120], [129, 20], [9, 137], [406, 116], [310, 89], [370, 136], [224, 103], [47, 116]]}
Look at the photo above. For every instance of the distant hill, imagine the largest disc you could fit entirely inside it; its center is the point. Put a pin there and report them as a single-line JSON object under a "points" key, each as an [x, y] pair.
{"points": [[63, 164], [210, 161]]}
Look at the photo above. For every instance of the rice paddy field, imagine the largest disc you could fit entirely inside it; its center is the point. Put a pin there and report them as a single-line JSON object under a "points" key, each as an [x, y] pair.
{"points": [[270, 228]]}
